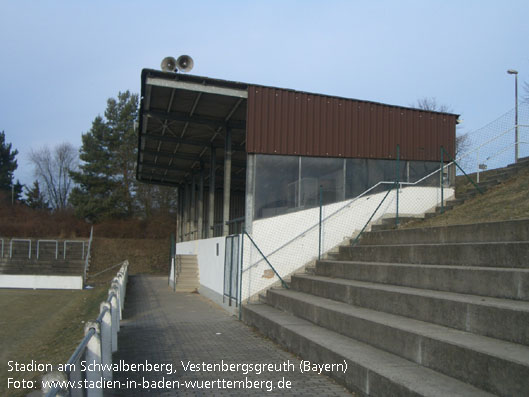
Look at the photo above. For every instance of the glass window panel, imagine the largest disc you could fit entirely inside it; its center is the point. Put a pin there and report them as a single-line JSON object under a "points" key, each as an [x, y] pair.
{"points": [[276, 179], [324, 172], [420, 169], [356, 177]]}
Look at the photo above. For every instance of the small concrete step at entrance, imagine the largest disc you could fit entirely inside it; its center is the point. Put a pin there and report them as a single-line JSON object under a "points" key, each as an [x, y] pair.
{"points": [[188, 277], [430, 311]]}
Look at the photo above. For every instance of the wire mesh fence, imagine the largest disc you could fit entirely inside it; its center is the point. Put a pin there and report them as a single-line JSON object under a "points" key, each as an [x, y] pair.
{"points": [[494, 145], [282, 245]]}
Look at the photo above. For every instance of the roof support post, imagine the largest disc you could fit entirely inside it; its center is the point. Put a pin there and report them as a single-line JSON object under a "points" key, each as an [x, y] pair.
{"points": [[250, 193], [200, 203], [211, 202], [193, 209], [187, 206], [227, 184], [178, 213]]}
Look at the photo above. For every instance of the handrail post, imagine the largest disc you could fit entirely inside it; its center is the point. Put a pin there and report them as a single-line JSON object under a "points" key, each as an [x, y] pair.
{"points": [[240, 271], [267, 261], [321, 212], [93, 356], [106, 339], [112, 299], [398, 186], [441, 177]]}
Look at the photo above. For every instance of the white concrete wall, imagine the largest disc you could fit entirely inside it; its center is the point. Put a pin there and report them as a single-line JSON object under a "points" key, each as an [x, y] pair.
{"points": [[290, 241], [210, 265], [40, 282]]}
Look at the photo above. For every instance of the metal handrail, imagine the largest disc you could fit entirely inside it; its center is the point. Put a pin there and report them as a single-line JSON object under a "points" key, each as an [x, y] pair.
{"points": [[82, 242], [348, 205], [106, 270], [372, 215], [19, 239], [267, 261], [48, 241]]}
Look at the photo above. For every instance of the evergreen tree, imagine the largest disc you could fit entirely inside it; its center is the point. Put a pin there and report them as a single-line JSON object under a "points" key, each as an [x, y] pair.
{"points": [[34, 197], [106, 177], [8, 165]]}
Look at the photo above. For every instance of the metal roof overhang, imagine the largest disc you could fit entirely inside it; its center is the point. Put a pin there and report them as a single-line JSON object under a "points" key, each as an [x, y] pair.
{"points": [[182, 117]]}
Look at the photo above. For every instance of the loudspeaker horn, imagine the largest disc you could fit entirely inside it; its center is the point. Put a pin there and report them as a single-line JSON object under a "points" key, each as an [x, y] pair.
{"points": [[168, 64], [184, 63]]}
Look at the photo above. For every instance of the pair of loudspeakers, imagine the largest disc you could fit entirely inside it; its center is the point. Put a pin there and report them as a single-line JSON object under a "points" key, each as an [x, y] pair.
{"points": [[184, 63]]}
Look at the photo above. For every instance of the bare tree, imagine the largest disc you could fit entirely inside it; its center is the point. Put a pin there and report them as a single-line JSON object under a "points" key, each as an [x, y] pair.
{"points": [[425, 103], [526, 89], [52, 169]]}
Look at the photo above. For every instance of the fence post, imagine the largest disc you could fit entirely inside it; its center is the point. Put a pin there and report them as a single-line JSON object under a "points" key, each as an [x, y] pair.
{"points": [[93, 356], [398, 185], [54, 377], [441, 177], [321, 213], [240, 271], [112, 299], [106, 339]]}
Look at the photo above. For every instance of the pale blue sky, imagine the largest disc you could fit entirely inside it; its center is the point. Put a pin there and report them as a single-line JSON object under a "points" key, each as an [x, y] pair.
{"points": [[61, 59]]}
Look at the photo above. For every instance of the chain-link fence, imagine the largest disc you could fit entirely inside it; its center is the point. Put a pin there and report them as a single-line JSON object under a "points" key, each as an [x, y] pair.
{"points": [[283, 244], [494, 145]]}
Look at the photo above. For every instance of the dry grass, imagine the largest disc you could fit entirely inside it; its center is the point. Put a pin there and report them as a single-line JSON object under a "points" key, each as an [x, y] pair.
{"points": [[507, 201], [42, 325], [145, 256]]}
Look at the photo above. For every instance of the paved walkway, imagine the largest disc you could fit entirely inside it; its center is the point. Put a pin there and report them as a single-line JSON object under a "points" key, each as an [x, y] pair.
{"points": [[163, 327]]}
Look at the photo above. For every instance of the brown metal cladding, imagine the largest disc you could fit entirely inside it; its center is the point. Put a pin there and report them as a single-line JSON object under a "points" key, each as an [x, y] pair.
{"points": [[289, 122]]}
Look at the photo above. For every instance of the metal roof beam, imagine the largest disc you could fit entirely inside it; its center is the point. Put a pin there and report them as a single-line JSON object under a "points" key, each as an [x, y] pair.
{"points": [[239, 125], [182, 85], [174, 139], [187, 156]]}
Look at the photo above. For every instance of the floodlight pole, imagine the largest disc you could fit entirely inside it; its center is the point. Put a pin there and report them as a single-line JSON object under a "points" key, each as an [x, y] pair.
{"points": [[515, 72]]}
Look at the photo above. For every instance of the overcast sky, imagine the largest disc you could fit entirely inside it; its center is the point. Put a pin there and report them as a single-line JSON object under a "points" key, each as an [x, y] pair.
{"points": [[62, 59]]}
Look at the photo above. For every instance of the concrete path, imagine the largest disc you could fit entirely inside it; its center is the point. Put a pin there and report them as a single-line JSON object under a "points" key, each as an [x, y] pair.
{"points": [[200, 347]]}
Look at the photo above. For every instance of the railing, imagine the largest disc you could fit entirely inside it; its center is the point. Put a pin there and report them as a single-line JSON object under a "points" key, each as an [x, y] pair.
{"points": [[75, 242], [97, 346], [20, 240], [22, 248], [326, 232], [48, 241]]}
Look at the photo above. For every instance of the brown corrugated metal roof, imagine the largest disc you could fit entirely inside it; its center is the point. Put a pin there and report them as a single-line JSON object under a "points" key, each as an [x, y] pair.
{"points": [[290, 122]]}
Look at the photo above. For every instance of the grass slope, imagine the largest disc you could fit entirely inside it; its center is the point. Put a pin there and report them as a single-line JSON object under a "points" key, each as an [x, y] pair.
{"points": [[507, 201]]}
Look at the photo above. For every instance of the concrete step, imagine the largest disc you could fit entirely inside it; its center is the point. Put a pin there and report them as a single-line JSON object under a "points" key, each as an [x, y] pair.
{"points": [[494, 254], [481, 232], [455, 353], [483, 281], [183, 279], [498, 318], [370, 371]]}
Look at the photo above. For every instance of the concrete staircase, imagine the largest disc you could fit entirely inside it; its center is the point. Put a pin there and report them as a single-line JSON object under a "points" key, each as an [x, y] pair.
{"points": [[188, 278], [414, 312]]}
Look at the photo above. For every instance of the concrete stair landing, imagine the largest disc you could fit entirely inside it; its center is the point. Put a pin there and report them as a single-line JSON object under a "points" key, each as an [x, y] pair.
{"points": [[414, 312]]}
